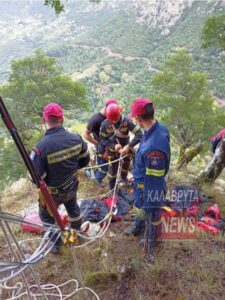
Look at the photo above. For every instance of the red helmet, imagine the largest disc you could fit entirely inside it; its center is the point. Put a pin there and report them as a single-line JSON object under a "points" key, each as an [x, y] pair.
{"points": [[141, 106], [53, 110], [111, 101], [113, 112]]}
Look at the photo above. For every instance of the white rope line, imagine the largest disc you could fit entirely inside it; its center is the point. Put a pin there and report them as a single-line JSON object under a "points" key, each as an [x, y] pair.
{"points": [[97, 196], [17, 289], [50, 290], [107, 218], [106, 164], [110, 191]]}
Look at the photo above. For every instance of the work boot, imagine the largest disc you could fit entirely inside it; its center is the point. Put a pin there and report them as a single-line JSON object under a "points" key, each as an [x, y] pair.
{"points": [[133, 229], [100, 183]]}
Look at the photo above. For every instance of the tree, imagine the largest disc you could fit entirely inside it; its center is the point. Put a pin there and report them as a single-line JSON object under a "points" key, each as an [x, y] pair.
{"points": [[216, 166], [35, 81], [108, 69], [213, 32], [104, 78], [59, 7], [185, 104], [56, 5], [213, 35]]}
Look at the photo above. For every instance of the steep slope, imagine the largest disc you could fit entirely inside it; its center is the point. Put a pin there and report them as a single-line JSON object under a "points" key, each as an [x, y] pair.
{"points": [[147, 31], [155, 40]]}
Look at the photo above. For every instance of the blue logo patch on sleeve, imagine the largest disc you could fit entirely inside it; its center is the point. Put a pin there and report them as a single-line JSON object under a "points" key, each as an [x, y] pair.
{"points": [[154, 161]]}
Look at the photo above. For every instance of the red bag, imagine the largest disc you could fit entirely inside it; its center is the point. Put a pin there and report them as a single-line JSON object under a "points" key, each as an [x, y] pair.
{"points": [[35, 219]]}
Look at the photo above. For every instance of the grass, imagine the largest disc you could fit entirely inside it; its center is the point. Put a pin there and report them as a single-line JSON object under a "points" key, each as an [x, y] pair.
{"points": [[14, 198], [112, 265]]}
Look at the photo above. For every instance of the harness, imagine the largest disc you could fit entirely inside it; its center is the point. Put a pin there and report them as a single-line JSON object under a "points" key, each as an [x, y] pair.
{"points": [[117, 131], [63, 188]]}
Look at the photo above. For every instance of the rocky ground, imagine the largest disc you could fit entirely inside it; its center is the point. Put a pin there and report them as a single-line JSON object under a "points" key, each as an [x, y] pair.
{"points": [[112, 265]]}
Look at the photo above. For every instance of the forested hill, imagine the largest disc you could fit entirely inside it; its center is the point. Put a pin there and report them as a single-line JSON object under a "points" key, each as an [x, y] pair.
{"points": [[143, 31]]}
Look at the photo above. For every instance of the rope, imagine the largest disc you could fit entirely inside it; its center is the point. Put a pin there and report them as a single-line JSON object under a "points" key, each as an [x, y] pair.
{"points": [[44, 249], [50, 290], [105, 164], [97, 196], [37, 290], [108, 217]]}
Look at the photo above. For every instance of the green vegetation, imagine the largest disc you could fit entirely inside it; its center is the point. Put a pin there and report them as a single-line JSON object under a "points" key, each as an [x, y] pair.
{"points": [[113, 267], [56, 5], [125, 81], [98, 278], [34, 81], [148, 63], [59, 7], [124, 35], [184, 101], [71, 58], [123, 68], [213, 32]]}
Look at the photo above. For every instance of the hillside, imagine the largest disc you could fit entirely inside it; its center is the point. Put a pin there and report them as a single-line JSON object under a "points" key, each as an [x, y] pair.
{"points": [[114, 48], [142, 29], [112, 265], [157, 42]]}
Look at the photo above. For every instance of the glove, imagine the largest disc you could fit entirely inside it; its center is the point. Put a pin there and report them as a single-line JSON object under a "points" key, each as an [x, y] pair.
{"points": [[142, 215]]}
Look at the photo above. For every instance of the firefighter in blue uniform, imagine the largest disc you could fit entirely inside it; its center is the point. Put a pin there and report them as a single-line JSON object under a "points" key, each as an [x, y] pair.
{"points": [[151, 166], [115, 139], [57, 157], [91, 134]]}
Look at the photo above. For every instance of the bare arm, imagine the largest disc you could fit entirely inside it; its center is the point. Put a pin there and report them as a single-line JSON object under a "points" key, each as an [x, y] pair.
{"points": [[88, 137]]}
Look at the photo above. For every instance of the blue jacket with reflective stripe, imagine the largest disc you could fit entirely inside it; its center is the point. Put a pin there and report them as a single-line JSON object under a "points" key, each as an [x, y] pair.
{"points": [[58, 155], [152, 164]]}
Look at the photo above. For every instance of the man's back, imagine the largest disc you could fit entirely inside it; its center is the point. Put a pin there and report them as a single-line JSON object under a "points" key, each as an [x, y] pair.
{"points": [[60, 155], [94, 124]]}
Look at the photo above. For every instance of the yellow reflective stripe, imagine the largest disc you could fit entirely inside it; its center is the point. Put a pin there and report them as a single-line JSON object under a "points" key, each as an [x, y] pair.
{"points": [[136, 128], [44, 175], [64, 154], [140, 185], [59, 186], [112, 176], [124, 170], [102, 171], [112, 150], [167, 208], [104, 134], [85, 154], [124, 129], [75, 219], [155, 172], [109, 130]]}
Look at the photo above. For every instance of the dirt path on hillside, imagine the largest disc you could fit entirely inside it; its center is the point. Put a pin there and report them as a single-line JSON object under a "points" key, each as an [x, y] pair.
{"points": [[109, 53]]}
